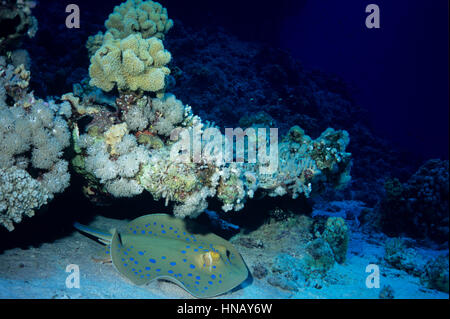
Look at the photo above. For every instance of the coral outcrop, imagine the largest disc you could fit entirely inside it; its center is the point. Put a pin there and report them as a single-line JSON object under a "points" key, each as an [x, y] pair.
{"points": [[140, 142]]}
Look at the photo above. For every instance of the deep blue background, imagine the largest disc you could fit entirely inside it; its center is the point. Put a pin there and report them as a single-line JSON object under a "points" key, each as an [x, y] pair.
{"points": [[399, 72]]}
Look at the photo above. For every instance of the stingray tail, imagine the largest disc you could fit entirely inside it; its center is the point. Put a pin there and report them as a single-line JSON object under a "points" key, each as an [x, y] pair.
{"points": [[102, 236]]}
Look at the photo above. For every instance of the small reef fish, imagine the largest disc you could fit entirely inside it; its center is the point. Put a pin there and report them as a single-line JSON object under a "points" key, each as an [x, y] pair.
{"points": [[160, 246]]}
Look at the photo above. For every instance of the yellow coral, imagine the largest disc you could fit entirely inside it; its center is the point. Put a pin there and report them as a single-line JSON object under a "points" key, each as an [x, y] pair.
{"points": [[138, 16], [80, 108], [114, 135], [132, 64]]}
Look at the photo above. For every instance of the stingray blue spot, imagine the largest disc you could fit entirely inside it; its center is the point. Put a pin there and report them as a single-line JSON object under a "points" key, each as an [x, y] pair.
{"points": [[195, 249], [175, 232], [125, 265], [189, 275], [214, 267], [210, 282], [197, 283], [140, 270], [187, 239], [173, 263], [188, 246], [220, 276], [184, 260], [107, 252], [205, 249], [206, 288], [146, 225], [123, 259], [150, 232], [220, 281], [125, 253], [132, 269], [195, 239], [170, 271], [163, 231], [142, 276], [162, 226], [152, 260], [131, 228], [197, 277], [183, 251], [163, 257], [134, 232], [178, 236], [180, 275], [192, 266], [170, 228], [137, 227], [136, 262], [200, 247], [213, 276], [148, 275], [154, 223], [131, 258], [140, 253], [158, 269], [131, 246], [184, 233], [147, 268]]}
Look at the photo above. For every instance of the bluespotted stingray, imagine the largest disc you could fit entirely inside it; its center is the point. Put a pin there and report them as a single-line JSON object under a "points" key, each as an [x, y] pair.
{"points": [[159, 246]]}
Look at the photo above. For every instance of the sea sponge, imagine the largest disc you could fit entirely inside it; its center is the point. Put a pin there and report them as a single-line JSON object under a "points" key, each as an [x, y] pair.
{"points": [[148, 18], [133, 64]]}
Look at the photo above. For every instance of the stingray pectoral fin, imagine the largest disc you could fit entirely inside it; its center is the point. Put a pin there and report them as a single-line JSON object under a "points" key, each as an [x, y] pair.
{"points": [[103, 236]]}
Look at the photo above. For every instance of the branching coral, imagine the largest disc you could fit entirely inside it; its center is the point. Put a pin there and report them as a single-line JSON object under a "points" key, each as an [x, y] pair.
{"points": [[131, 64]]}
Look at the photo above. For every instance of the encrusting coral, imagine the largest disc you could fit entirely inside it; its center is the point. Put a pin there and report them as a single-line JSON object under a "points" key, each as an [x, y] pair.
{"points": [[33, 135]]}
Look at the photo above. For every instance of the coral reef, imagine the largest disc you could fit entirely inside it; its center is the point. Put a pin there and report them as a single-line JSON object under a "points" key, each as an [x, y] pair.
{"points": [[33, 136], [419, 207], [16, 21]]}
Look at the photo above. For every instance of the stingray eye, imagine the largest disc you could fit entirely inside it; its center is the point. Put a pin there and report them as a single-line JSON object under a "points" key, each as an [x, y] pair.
{"points": [[228, 254]]}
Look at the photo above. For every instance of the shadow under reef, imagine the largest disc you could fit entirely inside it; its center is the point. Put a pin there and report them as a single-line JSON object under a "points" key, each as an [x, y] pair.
{"points": [[55, 220]]}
